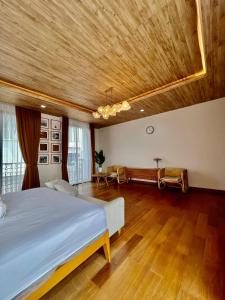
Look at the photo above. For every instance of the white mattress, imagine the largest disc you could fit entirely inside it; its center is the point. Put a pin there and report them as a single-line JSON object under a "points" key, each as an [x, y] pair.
{"points": [[42, 229]]}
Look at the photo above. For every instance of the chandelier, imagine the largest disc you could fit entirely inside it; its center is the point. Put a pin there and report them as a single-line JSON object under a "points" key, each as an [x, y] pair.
{"points": [[110, 110]]}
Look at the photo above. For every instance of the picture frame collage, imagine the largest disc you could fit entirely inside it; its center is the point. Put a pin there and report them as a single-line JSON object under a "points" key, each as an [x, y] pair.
{"points": [[50, 147]]}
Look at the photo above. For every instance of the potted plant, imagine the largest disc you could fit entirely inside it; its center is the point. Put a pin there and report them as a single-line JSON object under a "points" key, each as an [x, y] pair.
{"points": [[99, 159]]}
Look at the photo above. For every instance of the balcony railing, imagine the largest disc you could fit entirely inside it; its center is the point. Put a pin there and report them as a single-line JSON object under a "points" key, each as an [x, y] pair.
{"points": [[12, 177]]}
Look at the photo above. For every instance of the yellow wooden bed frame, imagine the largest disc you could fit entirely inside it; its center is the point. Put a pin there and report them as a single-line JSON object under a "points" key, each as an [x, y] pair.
{"points": [[71, 265]]}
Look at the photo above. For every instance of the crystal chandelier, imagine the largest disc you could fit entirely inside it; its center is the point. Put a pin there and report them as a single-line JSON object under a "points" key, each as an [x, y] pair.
{"points": [[111, 110]]}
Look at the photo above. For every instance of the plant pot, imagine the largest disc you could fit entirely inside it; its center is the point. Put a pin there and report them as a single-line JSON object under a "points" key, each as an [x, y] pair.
{"points": [[99, 169]]}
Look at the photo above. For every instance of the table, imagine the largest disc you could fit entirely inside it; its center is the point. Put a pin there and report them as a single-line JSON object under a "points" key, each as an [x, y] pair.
{"points": [[148, 174], [100, 176]]}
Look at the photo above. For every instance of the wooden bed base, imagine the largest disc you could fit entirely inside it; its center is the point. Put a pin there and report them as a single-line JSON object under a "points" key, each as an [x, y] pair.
{"points": [[71, 265]]}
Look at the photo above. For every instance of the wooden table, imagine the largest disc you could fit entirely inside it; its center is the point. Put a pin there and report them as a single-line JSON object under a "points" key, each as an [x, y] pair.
{"points": [[148, 174], [100, 176]]}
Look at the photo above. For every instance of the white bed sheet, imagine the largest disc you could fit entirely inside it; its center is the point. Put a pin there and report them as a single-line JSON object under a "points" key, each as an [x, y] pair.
{"points": [[41, 230]]}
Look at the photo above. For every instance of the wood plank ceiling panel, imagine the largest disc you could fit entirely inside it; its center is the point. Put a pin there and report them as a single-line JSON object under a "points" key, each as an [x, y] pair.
{"points": [[76, 50]]}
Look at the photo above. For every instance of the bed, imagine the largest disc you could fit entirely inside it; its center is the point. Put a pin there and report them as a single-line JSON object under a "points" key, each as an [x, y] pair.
{"points": [[44, 236]]}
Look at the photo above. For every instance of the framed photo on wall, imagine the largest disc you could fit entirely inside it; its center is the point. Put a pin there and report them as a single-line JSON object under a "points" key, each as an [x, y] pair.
{"points": [[43, 159], [55, 136], [44, 135], [56, 148], [43, 147], [55, 125], [56, 159], [44, 123]]}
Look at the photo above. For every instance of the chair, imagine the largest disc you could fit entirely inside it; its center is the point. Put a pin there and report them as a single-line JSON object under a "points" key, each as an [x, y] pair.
{"points": [[173, 176], [117, 173]]}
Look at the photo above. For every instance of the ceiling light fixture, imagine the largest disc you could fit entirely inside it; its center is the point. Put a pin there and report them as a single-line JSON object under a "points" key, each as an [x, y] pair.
{"points": [[43, 106], [141, 110], [110, 110]]}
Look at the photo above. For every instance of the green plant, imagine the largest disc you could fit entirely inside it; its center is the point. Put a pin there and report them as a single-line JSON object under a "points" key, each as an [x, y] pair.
{"points": [[99, 158]]}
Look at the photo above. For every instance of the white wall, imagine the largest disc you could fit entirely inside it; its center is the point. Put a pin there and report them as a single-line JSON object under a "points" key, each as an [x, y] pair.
{"points": [[50, 171], [97, 140], [191, 137]]}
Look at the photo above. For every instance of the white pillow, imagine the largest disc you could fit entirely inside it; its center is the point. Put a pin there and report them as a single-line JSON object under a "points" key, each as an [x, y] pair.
{"points": [[65, 187], [51, 184]]}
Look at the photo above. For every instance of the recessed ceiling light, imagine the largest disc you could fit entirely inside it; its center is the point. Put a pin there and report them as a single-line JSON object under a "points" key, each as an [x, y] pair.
{"points": [[141, 110], [43, 106]]}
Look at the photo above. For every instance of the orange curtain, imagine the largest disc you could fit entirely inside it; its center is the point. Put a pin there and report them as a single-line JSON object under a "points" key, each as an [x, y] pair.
{"points": [[65, 128], [28, 127]]}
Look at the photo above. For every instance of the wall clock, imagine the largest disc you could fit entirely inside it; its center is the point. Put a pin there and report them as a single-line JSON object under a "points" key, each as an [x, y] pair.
{"points": [[150, 129]]}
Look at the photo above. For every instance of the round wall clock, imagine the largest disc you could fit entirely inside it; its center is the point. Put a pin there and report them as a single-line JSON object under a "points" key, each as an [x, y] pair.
{"points": [[150, 129]]}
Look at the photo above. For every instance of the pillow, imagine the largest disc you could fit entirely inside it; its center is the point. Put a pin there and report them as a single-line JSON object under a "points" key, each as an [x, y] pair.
{"points": [[51, 184], [65, 187]]}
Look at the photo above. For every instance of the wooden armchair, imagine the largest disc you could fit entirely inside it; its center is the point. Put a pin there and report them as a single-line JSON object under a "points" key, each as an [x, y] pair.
{"points": [[117, 173], [173, 176]]}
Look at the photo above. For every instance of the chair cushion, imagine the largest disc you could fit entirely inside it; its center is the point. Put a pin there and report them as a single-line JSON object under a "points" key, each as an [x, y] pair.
{"points": [[113, 174], [171, 179]]}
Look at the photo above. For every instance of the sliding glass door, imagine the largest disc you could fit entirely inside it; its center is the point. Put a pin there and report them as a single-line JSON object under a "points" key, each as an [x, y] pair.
{"points": [[79, 153], [12, 166]]}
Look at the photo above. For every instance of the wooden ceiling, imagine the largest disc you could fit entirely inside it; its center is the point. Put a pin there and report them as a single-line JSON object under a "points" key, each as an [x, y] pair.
{"points": [[76, 50]]}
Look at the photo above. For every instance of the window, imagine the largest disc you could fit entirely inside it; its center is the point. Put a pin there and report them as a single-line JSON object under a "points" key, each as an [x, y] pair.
{"points": [[11, 162], [79, 153]]}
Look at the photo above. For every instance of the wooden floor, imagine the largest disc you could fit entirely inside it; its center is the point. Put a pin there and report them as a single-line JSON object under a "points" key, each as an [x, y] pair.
{"points": [[172, 247]]}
